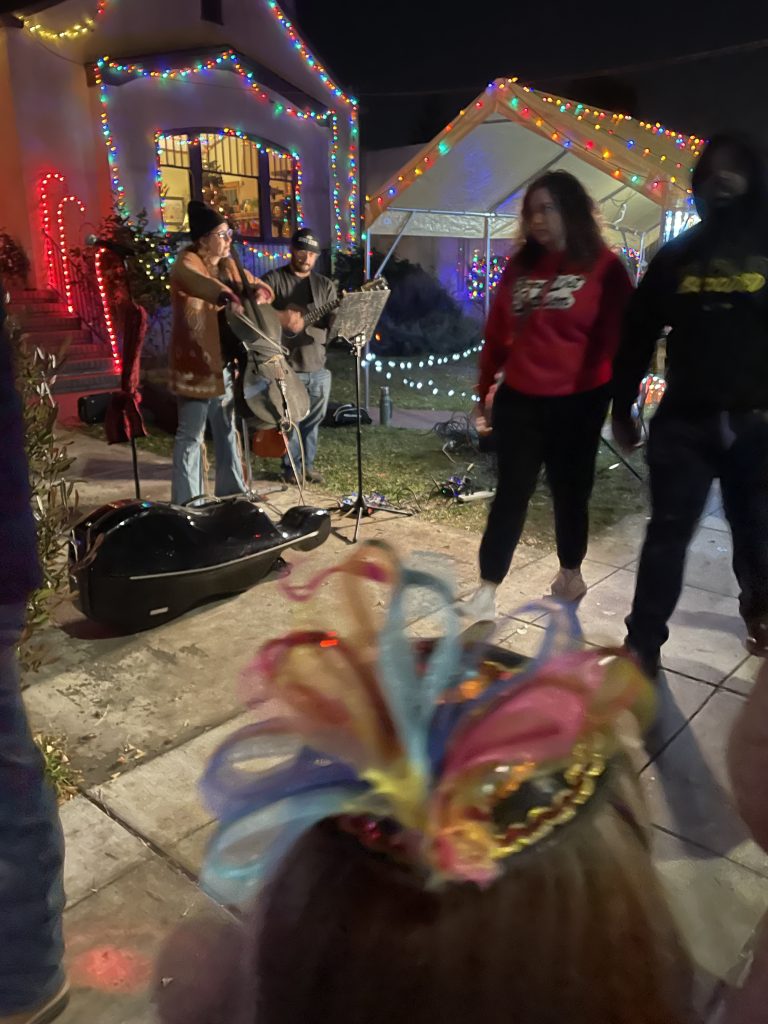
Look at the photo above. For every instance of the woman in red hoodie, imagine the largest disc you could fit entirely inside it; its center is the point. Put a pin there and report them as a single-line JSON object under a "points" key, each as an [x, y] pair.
{"points": [[552, 332]]}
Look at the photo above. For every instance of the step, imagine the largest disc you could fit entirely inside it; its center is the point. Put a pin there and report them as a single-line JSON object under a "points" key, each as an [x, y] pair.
{"points": [[75, 367], [30, 323], [38, 308], [86, 382], [54, 339], [83, 350], [23, 295]]}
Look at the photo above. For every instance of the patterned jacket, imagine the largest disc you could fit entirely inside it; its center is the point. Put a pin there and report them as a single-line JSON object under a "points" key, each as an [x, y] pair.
{"points": [[196, 365]]}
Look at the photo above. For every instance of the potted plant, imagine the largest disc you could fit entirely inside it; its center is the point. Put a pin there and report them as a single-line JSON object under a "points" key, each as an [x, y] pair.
{"points": [[14, 262]]}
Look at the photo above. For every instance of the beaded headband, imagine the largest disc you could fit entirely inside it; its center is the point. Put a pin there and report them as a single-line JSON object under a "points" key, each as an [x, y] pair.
{"points": [[447, 755]]}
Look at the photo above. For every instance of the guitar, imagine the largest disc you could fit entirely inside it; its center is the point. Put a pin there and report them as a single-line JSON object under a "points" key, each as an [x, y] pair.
{"points": [[312, 316]]}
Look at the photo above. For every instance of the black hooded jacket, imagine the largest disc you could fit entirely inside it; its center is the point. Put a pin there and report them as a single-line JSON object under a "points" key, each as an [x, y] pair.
{"points": [[710, 286]]}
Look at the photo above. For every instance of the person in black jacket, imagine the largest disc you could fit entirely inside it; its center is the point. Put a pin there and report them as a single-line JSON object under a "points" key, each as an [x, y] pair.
{"points": [[299, 290], [710, 286]]}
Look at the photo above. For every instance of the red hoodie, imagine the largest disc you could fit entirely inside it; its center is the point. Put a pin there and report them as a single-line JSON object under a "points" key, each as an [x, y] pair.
{"points": [[561, 345]]}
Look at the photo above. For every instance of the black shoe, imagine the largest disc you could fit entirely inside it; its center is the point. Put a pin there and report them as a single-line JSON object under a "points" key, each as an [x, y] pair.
{"points": [[757, 637], [649, 661], [289, 478]]}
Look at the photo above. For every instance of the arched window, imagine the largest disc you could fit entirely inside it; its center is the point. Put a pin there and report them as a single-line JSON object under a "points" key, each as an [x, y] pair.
{"points": [[251, 182]]}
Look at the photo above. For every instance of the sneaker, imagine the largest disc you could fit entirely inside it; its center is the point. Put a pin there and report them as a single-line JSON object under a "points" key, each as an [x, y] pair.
{"points": [[568, 585], [314, 477], [757, 637], [43, 1013], [481, 606]]}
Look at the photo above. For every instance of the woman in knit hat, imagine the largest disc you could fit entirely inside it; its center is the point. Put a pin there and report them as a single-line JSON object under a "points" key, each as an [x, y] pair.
{"points": [[203, 281]]}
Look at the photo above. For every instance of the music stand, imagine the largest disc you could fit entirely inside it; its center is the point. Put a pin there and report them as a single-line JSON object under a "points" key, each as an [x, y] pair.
{"points": [[358, 315]]}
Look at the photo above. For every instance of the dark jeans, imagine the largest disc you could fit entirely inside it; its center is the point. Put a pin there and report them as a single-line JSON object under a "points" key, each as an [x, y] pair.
{"points": [[318, 385], [685, 454], [31, 847], [561, 434]]}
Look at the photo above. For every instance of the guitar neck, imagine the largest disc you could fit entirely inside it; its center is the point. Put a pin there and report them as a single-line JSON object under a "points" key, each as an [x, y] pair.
{"points": [[312, 316]]}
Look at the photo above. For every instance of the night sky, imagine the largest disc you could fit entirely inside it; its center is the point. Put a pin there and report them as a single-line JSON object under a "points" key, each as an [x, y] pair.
{"points": [[443, 61]]}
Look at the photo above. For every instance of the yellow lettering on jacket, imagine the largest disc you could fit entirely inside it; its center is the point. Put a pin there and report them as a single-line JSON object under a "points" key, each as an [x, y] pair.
{"points": [[747, 282]]}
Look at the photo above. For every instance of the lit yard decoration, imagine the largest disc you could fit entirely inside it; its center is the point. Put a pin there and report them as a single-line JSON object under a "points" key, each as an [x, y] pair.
{"points": [[476, 278]]}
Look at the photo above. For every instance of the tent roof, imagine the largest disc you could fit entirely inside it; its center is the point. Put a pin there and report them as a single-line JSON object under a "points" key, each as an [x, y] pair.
{"points": [[480, 164]]}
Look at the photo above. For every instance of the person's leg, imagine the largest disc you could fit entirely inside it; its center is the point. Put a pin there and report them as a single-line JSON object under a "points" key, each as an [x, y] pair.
{"points": [[186, 480], [682, 461], [519, 451], [294, 447], [31, 850], [229, 466], [572, 443], [744, 483], [319, 388]]}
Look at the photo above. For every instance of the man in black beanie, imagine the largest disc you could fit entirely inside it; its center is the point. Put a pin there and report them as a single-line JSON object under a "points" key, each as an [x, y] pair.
{"points": [[710, 286], [299, 290]]}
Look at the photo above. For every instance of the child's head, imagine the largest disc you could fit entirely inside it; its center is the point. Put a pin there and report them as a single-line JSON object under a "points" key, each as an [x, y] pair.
{"points": [[486, 860]]}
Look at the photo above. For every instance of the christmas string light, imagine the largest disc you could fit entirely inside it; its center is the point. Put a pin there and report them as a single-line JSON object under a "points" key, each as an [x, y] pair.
{"points": [[62, 233], [79, 28], [385, 367], [108, 321], [335, 183], [308, 58], [496, 92], [229, 60], [45, 217], [46, 184], [476, 279]]}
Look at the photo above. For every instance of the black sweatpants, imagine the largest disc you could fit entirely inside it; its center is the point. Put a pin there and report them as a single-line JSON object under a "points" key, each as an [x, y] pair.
{"points": [[685, 454], [562, 434]]}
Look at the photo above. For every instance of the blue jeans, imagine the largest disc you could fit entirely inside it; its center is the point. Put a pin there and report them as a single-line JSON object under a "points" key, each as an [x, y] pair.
{"points": [[31, 847], [187, 481], [318, 384]]}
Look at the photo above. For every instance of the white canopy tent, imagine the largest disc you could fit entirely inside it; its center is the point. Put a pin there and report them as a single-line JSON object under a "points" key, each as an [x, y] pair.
{"points": [[469, 181]]}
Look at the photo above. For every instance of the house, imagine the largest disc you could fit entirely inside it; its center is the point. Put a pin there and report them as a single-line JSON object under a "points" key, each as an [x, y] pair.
{"points": [[144, 105]]}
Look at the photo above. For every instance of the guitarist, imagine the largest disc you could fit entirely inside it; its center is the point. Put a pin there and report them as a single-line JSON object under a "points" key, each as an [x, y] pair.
{"points": [[298, 289]]}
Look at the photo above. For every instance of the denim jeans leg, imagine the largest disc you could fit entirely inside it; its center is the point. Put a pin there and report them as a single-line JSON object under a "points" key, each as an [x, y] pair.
{"points": [[319, 388], [229, 468], [31, 848], [187, 479], [297, 434]]}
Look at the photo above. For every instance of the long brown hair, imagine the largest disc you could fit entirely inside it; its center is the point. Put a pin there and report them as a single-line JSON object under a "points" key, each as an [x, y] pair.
{"points": [[576, 931], [583, 241]]}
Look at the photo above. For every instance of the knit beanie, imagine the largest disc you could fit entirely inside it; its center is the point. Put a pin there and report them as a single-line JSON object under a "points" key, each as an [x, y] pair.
{"points": [[202, 219]]}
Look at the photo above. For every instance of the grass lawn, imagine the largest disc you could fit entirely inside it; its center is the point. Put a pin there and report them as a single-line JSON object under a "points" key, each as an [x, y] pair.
{"points": [[403, 465], [458, 377]]}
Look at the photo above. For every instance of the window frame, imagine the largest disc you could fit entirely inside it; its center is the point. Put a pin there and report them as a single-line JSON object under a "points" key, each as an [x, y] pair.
{"points": [[196, 171]]}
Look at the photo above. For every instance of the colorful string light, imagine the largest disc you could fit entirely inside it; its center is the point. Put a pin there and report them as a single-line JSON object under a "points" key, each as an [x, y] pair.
{"points": [[308, 58], [476, 278], [689, 146], [74, 31], [230, 60]]}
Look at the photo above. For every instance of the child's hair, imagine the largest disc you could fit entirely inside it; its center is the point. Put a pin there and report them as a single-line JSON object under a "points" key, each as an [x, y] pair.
{"points": [[576, 931], [459, 839]]}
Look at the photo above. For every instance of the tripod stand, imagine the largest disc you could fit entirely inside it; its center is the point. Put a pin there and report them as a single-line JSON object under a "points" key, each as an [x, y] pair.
{"points": [[356, 321], [360, 506]]}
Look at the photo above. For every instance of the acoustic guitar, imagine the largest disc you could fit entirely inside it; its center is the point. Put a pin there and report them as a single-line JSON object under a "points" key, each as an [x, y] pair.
{"points": [[313, 316]]}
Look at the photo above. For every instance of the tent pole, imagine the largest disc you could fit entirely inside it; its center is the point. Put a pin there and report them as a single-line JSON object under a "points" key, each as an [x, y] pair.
{"points": [[392, 248], [641, 257], [487, 295]]}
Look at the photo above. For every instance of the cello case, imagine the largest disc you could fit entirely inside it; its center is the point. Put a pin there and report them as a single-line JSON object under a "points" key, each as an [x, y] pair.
{"points": [[135, 564]]}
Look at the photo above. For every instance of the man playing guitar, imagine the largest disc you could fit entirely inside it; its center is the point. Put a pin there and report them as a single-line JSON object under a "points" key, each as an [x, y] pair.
{"points": [[300, 295]]}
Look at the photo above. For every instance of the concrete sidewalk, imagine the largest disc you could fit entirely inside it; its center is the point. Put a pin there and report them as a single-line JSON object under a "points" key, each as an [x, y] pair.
{"points": [[141, 715]]}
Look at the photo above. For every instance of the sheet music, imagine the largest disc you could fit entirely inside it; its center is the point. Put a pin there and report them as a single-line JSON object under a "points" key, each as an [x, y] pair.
{"points": [[359, 313]]}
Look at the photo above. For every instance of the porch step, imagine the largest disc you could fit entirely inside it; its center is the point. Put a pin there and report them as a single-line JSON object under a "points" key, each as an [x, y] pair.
{"points": [[38, 308], [26, 295], [54, 340], [82, 383], [44, 321], [96, 364]]}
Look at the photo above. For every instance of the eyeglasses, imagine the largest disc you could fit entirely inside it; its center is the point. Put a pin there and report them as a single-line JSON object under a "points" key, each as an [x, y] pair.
{"points": [[224, 234]]}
